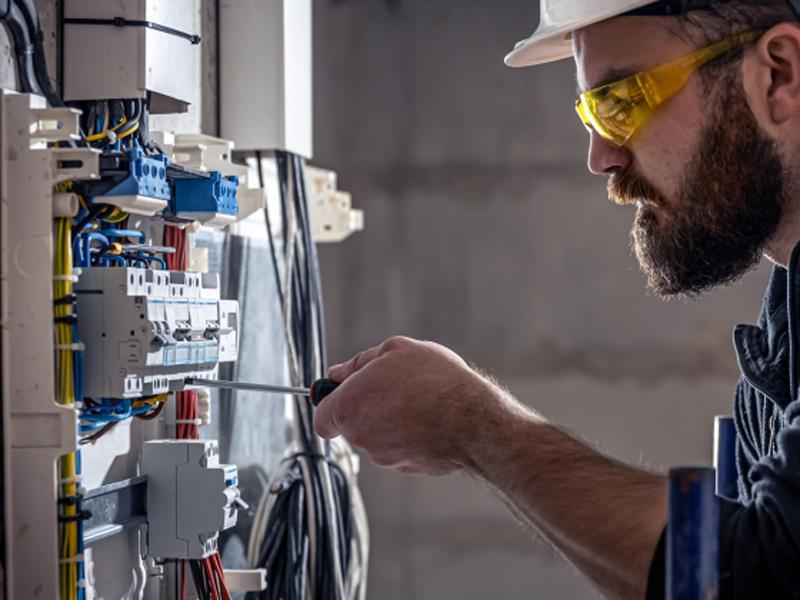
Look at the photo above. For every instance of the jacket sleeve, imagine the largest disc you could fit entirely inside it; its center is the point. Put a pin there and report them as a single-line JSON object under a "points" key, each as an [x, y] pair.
{"points": [[760, 542], [759, 550]]}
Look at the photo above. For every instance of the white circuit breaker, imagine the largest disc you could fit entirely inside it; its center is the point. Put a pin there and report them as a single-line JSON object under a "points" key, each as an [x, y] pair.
{"points": [[146, 330], [191, 497]]}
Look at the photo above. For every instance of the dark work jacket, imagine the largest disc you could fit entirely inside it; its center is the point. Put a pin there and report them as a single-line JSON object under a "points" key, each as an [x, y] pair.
{"points": [[760, 534]]}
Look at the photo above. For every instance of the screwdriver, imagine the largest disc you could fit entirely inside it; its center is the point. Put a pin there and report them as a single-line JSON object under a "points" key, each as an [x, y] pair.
{"points": [[320, 389]]}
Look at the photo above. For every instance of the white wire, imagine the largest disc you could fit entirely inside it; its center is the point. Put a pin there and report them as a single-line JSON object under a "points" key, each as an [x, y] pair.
{"points": [[359, 544]]}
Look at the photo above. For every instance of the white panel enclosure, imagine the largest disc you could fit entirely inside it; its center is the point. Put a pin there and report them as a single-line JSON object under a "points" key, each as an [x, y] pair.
{"points": [[265, 74], [104, 61]]}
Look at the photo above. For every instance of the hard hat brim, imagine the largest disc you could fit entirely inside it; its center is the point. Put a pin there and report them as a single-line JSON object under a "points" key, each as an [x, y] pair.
{"points": [[542, 47], [553, 41]]}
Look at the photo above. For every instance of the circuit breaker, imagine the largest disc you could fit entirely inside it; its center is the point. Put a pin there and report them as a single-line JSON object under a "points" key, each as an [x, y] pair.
{"points": [[146, 330], [191, 497]]}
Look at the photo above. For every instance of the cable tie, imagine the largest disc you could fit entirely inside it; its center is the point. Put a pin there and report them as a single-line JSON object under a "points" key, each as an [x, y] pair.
{"points": [[67, 320], [72, 559], [69, 500], [188, 421], [68, 299], [76, 347], [83, 515], [73, 479], [73, 278]]}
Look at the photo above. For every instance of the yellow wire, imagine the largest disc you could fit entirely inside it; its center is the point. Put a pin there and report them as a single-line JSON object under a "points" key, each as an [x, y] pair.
{"points": [[62, 266], [128, 132], [104, 134], [117, 216]]}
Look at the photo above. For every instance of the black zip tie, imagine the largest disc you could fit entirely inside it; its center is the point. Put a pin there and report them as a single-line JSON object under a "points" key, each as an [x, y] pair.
{"points": [[68, 299], [83, 515], [69, 500], [123, 22], [67, 320]]}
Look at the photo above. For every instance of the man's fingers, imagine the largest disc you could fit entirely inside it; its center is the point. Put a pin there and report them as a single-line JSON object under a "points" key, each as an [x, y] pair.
{"points": [[359, 361], [327, 418]]}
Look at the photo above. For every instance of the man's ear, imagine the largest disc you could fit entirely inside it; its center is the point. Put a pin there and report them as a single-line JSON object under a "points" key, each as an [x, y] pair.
{"points": [[771, 74]]}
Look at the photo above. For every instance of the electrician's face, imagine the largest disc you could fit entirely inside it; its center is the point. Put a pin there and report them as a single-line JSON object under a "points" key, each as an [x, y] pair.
{"points": [[706, 181]]}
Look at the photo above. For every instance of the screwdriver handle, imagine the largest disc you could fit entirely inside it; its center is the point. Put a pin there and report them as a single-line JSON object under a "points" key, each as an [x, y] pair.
{"points": [[320, 389]]}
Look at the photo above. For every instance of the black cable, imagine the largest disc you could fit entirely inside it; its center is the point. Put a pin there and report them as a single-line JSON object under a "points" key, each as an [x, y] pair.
{"points": [[200, 580], [96, 211], [36, 36], [23, 50], [284, 551]]}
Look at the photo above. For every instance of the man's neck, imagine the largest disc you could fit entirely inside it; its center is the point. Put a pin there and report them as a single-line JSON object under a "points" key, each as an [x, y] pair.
{"points": [[780, 247]]}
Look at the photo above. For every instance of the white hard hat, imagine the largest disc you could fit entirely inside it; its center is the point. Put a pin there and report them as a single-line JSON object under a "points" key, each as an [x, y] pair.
{"points": [[559, 18]]}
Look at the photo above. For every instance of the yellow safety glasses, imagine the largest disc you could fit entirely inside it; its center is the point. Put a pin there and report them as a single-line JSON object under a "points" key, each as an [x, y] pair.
{"points": [[616, 110]]}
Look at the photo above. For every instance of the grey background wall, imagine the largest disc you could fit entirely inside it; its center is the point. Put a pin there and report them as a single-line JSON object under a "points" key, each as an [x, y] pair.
{"points": [[486, 233]]}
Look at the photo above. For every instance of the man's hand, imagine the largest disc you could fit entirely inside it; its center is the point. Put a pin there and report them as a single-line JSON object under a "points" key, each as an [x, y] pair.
{"points": [[417, 407], [409, 405]]}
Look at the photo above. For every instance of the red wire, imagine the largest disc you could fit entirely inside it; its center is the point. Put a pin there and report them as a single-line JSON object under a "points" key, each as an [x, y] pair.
{"points": [[218, 564], [183, 581], [210, 576]]}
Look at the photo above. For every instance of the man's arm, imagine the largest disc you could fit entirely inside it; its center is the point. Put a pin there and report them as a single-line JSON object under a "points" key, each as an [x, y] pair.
{"points": [[417, 407], [604, 517]]}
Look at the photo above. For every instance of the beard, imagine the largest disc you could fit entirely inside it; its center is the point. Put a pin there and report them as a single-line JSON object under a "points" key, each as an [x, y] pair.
{"points": [[729, 204]]}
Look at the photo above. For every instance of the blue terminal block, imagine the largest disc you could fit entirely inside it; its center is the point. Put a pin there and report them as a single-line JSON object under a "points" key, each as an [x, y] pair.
{"points": [[145, 190], [209, 200]]}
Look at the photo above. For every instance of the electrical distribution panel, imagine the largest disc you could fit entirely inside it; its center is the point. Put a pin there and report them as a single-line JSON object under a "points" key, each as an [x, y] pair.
{"points": [[114, 485]]}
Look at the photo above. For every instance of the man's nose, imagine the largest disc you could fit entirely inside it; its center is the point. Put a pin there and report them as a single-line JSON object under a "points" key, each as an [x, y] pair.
{"points": [[605, 158]]}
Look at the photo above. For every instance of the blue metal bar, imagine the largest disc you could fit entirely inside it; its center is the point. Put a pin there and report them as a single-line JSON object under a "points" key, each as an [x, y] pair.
{"points": [[692, 535], [725, 458]]}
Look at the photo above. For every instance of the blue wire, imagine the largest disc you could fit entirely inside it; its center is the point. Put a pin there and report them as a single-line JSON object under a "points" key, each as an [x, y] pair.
{"points": [[155, 259], [108, 258], [84, 248], [113, 234]]}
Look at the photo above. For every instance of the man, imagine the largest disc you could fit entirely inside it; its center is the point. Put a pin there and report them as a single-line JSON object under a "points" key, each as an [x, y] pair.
{"points": [[693, 111]]}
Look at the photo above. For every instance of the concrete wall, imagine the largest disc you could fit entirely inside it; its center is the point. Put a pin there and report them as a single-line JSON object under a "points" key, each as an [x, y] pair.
{"points": [[486, 233]]}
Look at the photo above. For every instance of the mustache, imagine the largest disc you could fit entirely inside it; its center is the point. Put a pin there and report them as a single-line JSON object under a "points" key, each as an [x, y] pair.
{"points": [[626, 187]]}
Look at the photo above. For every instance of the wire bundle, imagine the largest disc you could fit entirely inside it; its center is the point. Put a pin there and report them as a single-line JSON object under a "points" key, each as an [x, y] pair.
{"points": [[22, 22], [207, 574], [68, 389], [114, 124], [208, 578], [305, 533], [186, 410], [98, 417]]}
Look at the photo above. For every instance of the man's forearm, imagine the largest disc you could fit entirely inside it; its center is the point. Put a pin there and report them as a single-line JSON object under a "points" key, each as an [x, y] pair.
{"points": [[605, 517]]}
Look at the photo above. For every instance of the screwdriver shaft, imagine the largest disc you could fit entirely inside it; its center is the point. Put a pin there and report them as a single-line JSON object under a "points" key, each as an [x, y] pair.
{"points": [[253, 387]]}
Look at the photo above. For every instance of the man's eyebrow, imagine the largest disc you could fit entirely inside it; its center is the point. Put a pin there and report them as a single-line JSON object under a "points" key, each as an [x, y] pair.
{"points": [[609, 76]]}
